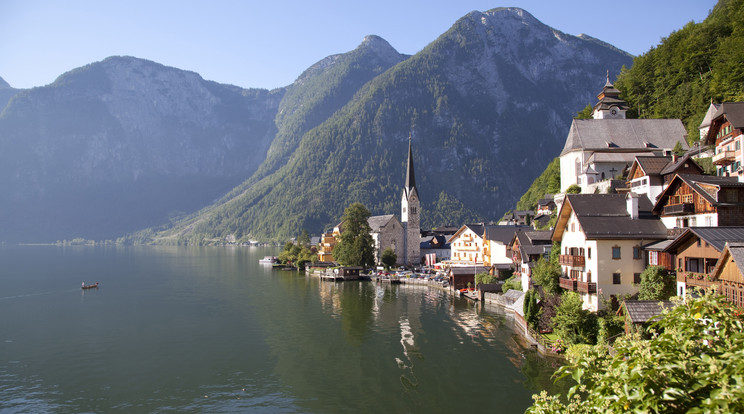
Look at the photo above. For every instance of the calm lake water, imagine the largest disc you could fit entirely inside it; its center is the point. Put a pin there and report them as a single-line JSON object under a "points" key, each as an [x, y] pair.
{"points": [[211, 330]]}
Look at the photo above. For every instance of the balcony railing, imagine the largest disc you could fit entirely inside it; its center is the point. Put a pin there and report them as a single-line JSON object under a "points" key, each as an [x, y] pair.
{"points": [[724, 158], [702, 280], [571, 260], [685, 208], [587, 287], [568, 284]]}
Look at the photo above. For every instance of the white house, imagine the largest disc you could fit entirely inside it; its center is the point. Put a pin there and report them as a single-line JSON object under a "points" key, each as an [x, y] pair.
{"points": [[601, 148], [601, 237]]}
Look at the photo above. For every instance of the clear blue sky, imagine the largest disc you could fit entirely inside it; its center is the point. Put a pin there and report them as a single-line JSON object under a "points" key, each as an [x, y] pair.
{"points": [[268, 43]]}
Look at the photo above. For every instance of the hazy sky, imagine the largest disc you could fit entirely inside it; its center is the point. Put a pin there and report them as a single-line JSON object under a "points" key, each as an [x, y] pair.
{"points": [[268, 43]]}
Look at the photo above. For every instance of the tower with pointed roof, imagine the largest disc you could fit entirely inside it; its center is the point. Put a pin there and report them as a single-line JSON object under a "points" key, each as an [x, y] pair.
{"points": [[410, 211], [610, 106]]}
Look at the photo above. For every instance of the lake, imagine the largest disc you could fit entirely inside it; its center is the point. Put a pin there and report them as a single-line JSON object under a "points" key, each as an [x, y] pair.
{"points": [[175, 329]]}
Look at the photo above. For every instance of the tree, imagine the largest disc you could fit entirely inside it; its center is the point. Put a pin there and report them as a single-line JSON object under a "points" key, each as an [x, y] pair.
{"points": [[573, 189], [389, 258], [572, 323], [546, 274], [303, 240], [694, 363], [531, 308], [585, 113], [355, 246], [656, 284]]}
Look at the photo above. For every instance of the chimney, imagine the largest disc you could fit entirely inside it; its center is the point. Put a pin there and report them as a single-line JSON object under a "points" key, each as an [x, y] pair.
{"points": [[674, 158], [631, 202]]}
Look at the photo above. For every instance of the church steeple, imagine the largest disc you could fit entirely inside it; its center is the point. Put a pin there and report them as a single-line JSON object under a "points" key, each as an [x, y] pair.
{"points": [[410, 177], [409, 214], [610, 104]]}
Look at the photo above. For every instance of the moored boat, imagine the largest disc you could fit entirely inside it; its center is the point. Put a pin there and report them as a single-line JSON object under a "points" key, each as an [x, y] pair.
{"points": [[268, 260]]}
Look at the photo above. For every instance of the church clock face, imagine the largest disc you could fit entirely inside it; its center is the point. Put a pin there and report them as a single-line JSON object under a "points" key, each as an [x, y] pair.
{"points": [[613, 111]]}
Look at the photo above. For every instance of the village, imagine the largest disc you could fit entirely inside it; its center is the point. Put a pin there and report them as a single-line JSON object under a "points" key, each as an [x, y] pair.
{"points": [[632, 197]]}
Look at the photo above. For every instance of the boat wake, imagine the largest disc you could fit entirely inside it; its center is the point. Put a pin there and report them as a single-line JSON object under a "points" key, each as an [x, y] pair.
{"points": [[28, 295]]}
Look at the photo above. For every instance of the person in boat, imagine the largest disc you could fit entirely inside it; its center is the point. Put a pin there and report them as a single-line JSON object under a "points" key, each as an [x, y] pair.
{"points": [[83, 284]]}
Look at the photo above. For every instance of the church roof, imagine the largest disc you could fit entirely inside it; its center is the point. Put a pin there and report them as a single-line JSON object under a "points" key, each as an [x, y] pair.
{"points": [[624, 135], [377, 222]]}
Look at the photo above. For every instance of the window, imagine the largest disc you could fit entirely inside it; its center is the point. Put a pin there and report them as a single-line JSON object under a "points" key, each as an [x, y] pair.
{"points": [[637, 252], [588, 252], [616, 278], [637, 278], [616, 253]]}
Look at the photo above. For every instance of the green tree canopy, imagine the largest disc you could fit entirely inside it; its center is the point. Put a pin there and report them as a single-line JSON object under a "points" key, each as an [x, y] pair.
{"points": [[573, 323], [656, 284], [546, 273], [355, 246], [694, 363], [389, 258]]}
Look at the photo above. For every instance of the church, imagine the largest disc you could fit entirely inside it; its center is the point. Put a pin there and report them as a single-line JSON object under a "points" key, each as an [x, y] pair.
{"points": [[402, 236]]}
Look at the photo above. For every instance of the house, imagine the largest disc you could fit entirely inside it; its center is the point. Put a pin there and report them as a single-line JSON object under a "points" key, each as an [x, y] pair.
{"points": [[545, 206], [697, 251], [466, 245], [460, 276], [726, 133], [701, 200], [387, 232], [649, 175], [497, 253], [704, 126], [730, 273], [601, 148], [435, 248], [328, 241], [642, 313], [601, 237], [527, 248]]}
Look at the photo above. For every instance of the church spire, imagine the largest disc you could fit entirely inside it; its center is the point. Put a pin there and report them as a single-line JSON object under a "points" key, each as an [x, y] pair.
{"points": [[410, 177]]}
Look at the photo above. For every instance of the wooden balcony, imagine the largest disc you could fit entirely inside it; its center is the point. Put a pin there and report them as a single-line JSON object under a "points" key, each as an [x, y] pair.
{"points": [[586, 287], [701, 280], [724, 158], [567, 284], [571, 260], [684, 208]]}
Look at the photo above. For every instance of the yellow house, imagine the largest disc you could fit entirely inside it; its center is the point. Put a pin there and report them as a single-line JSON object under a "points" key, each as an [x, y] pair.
{"points": [[327, 243]]}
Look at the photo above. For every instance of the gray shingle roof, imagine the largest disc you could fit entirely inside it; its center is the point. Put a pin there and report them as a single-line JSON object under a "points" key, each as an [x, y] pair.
{"points": [[605, 216], [630, 135], [377, 222], [503, 234], [715, 236], [734, 112], [642, 311]]}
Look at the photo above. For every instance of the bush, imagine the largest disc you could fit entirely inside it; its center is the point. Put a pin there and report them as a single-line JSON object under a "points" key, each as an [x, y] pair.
{"points": [[514, 282], [693, 363]]}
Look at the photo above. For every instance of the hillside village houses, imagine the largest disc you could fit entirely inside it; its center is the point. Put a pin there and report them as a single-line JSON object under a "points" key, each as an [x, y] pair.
{"points": [[664, 211]]}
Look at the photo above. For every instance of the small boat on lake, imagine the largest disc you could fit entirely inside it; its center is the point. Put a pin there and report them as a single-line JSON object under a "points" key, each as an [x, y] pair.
{"points": [[269, 260], [93, 286]]}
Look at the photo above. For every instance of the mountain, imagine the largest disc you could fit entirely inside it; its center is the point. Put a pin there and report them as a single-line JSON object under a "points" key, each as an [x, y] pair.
{"points": [[125, 144], [6, 92], [488, 105]]}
